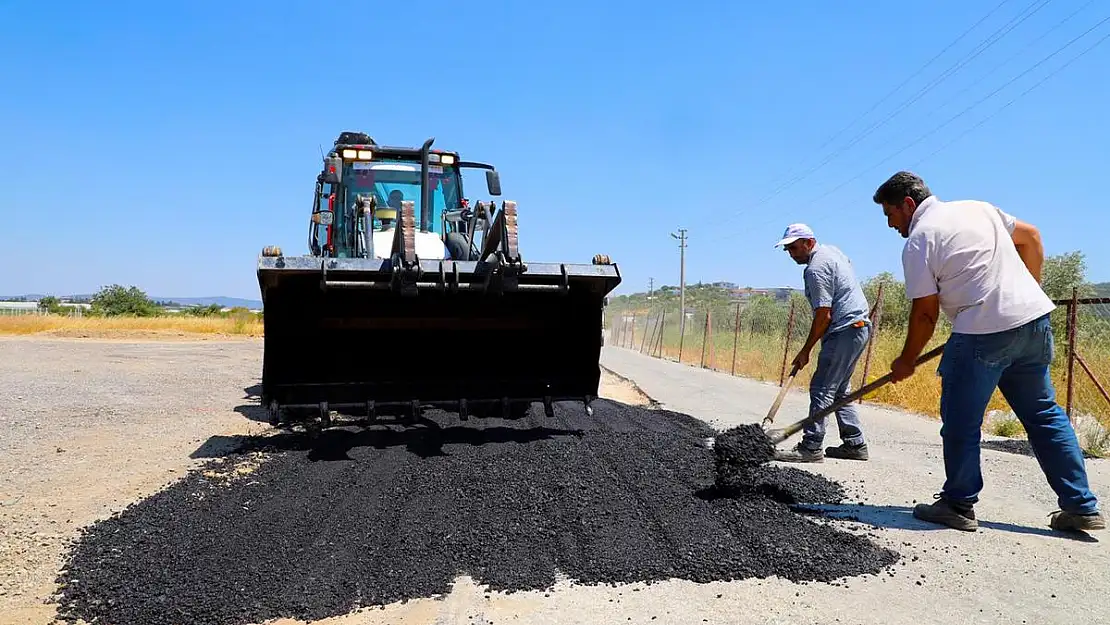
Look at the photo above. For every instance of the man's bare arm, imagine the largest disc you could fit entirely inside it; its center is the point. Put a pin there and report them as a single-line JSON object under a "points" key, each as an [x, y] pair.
{"points": [[923, 320], [822, 317], [1027, 239], [924, 312]]}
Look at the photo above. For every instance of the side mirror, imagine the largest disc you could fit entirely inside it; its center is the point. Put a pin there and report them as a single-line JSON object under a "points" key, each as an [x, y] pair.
{"points": [[493, 182], [333, 170]]}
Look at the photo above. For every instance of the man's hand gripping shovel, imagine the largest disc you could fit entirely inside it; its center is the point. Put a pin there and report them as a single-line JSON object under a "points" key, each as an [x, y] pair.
{"points": [[779, 435], [778, 400]]}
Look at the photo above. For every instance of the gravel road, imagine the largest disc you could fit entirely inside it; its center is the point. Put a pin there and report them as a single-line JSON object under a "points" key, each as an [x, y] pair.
{"points": [[276, 525], [93, 426], [1013, 570]]}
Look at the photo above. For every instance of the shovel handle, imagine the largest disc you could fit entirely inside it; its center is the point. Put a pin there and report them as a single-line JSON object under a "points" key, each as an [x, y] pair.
{"points": [[778, 400], [780, 435]]}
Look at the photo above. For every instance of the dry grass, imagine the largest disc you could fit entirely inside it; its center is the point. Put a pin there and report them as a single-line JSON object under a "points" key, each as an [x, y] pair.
{"points": [[128, 327], [760, 356]]}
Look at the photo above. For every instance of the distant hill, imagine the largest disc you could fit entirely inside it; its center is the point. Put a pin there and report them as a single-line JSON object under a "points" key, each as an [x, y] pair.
{"points": [[1102, 289], [229, 302]]}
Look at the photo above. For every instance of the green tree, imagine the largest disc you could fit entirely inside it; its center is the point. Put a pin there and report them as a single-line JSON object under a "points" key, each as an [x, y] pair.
{"points": [[1064, 272], [896, 306], [50, 304], [199, 310], [764, 314], [116, 300]]}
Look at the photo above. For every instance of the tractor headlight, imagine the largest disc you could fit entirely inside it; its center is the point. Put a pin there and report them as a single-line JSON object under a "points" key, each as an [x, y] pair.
{"points": [[351, 154], [447, 159]]}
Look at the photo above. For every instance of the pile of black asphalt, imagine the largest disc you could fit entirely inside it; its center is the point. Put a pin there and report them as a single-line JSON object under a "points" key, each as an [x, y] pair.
{"points": [[741, 449], [361, 517]]}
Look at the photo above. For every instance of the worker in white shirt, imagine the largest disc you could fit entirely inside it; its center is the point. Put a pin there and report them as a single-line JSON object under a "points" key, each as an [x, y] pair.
{"points": [[982, 267]]}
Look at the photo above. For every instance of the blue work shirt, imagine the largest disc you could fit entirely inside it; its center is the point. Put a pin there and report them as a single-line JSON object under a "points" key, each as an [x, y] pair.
{"points": [[830, 281]]}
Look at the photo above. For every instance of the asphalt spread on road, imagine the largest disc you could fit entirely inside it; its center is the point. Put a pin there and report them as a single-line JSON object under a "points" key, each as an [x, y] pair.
{"points": [[364, 517]]}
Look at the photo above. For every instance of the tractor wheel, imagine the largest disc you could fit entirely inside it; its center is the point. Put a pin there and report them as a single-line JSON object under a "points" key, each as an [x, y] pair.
{"points": [[457, 247]]}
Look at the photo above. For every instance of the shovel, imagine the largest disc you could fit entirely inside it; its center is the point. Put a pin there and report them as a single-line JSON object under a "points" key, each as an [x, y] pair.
{"points": [[778, 400], [779, 435]]}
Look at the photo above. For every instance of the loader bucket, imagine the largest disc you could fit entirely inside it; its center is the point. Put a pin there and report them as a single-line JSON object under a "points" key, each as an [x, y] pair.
{"points": [[352, 333]]}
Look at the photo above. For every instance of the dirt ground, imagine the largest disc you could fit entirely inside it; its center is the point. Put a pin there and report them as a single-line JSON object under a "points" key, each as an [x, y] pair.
{"points": [[92, 424]]}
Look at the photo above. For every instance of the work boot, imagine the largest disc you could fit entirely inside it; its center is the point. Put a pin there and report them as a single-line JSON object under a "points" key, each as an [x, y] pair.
{"points": [[1070, 521], [958, 516], [848, 452], [800, 454]]}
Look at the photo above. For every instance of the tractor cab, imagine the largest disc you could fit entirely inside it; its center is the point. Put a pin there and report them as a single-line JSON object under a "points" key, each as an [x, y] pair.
{"points": [[361, 190]]}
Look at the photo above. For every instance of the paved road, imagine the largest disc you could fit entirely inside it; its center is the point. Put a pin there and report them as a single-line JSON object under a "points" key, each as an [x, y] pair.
{"points": [[1014, 570]]}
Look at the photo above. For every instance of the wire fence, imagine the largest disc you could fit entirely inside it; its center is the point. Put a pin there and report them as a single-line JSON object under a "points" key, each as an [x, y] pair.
{"points": [[757, 337], [38, 312], [1086, 365]]}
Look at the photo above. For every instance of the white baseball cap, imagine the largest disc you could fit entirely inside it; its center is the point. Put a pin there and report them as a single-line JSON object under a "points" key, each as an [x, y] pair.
{"points": [[795, 232]]}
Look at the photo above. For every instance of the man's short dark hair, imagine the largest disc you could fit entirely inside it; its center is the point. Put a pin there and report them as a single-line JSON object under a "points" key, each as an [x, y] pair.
{"points": [[900, 186]]}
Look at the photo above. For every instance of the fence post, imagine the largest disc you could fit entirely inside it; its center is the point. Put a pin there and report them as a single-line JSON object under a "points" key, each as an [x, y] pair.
{"points": [[643, 339], [786, 347], [632, 332], [735, 337], [705, 335], [1073, 320], [876, 317], [663, 328], [681, 333], [656, 330]]}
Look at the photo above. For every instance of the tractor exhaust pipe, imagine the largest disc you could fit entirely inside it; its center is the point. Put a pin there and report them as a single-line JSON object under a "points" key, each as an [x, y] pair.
{"points": [[425, 187]]}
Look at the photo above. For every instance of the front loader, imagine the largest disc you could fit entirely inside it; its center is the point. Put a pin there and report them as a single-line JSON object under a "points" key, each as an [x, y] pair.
{"points": [[409, 297]]}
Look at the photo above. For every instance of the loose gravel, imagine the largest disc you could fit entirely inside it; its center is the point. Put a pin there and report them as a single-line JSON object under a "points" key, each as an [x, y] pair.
{"points": [[293, 527], [741, 450], [783, 484]]}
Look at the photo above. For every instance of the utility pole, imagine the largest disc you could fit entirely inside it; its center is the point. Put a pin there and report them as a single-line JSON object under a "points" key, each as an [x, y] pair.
{"points": [[681, 236], [651, 289]]}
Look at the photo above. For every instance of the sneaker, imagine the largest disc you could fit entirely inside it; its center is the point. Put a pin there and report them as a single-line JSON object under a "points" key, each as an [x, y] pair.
{"points": [[800, 454], [1070, 521], [945, 512], [848, 452]]}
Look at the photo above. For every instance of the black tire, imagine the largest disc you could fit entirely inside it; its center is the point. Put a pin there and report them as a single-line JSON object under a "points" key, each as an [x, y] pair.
{"points": [[457, 247]]}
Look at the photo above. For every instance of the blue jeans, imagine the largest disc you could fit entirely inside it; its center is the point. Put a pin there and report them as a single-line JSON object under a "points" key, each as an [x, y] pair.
{"points": [[840, 351], [1017, 363]]}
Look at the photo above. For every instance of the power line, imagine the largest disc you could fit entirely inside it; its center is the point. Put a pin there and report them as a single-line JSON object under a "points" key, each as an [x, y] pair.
{"points": [[981, 100], [992, 39], [1014, 99], [952, 69], [1011, 57], [913, 75], [976, 103]]}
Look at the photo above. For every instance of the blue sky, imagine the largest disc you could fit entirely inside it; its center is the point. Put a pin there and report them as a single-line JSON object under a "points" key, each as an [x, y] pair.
{"points": [[164, 144]]}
